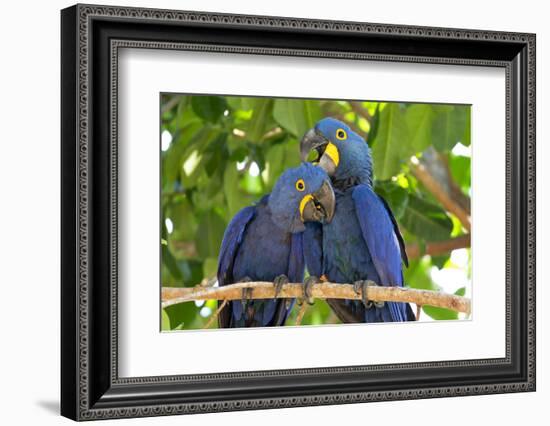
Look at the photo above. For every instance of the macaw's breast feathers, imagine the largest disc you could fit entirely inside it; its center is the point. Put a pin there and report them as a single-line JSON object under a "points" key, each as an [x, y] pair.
{"points": [[296, 259], [255, 248], [313, 248]]}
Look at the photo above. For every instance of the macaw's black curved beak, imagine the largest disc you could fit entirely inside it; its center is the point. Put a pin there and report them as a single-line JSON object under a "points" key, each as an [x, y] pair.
{"points": [[325, 153], [312, 141], [319, 206]]}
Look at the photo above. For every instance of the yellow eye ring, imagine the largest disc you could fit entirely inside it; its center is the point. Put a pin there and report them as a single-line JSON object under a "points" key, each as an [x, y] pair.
{"points": [[341, 134], [300, 185]]}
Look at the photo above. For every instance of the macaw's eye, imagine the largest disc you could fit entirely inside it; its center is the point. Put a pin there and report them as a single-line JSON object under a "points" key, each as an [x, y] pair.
{"points": [[341, 134], [300, 185]]}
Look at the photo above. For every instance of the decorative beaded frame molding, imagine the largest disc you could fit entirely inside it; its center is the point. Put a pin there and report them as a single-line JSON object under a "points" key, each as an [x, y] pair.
{"points": [[86, 397]]}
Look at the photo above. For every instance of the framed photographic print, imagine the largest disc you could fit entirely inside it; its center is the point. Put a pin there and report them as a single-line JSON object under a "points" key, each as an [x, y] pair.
{"points": [[292, 212]]}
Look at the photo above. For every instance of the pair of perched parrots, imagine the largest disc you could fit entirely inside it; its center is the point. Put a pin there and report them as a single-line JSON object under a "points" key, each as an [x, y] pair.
{"points": [[326, 218]]}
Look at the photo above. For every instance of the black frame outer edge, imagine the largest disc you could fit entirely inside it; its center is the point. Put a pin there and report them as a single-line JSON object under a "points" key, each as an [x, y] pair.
{"points": [[69, 311], [104, 395]]}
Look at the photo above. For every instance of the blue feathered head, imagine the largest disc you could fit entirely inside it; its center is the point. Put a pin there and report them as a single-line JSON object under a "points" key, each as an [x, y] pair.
{"points": [[302, 194], [342, 153]]}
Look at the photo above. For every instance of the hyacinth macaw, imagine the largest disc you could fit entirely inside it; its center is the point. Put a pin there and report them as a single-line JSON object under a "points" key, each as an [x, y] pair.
{"points": [[363, 241], [264, 243]]}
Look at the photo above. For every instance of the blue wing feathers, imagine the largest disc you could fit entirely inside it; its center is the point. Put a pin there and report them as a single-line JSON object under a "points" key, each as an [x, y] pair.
{"points": [[397, 232], [378, 229], [232, 238], [295, 274]]}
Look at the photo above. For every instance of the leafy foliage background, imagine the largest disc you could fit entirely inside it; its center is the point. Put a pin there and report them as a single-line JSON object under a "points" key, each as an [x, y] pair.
{"points": [[222, 153]]}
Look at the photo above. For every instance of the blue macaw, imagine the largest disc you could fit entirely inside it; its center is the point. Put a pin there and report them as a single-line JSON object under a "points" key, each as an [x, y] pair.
{"points": [[363, 241], [264, 243]]}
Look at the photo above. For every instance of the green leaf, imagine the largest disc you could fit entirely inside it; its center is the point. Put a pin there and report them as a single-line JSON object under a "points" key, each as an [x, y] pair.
{"points": [[440, 261], [209, 235], [313, 115], [467, 136], [280, 157], [181, 214], [209, 108], [167, 258], [374, 124], [165, 321], [183, 138], [460, 167], [396, 196], [461, 291], [391, 146], [238, 154], [260, 121], [426, 220], [235, 197], [182, 313], [192, 271], [449, 126], [196, 156], [216, 154], [296, 115], [417, 275], [185, 116], [252, 184], [234, 102], [440, 313], [209, 267], [169, 261], [419, 121]]}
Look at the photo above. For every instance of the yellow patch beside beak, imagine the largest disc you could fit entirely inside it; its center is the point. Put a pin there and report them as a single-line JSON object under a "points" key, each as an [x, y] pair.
{"points": [[303, 203], [333, 153]]}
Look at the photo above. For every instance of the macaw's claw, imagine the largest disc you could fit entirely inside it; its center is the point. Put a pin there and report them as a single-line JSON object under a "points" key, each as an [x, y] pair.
{"points": [[361, 287], [312, 279], [378, 305], [246, 293], [279, 282]]}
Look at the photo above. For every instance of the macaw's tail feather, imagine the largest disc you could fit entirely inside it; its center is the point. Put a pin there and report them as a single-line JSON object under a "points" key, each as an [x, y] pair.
{"points": [[354, 311], [256, 313], [411, 316], [342, 310], [225, 316]]}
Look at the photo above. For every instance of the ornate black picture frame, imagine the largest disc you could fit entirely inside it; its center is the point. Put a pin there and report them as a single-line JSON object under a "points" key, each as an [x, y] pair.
{"points": [[91, 37]]}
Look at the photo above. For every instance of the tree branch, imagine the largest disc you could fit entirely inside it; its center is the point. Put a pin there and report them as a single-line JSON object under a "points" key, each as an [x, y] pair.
{"points": [[454, 190], [432, 184], [436, 248], [327, 290], [359, 109], [170, 104]]}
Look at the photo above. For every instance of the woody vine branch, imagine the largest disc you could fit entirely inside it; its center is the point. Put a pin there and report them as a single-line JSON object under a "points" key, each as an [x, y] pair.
{"points": [[325, 290]]}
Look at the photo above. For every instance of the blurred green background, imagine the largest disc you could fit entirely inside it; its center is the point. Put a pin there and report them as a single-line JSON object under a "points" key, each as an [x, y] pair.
{"points": [[222, 153]]}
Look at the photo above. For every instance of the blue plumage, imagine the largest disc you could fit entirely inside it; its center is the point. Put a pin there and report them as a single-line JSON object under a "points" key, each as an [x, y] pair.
{"points": [[363, 241], [264, 241]]}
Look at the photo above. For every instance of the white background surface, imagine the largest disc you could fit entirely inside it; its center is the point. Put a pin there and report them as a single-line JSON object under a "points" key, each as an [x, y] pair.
{"points": [[29, 225], [141, 344]]}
